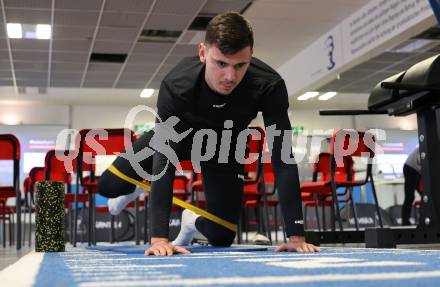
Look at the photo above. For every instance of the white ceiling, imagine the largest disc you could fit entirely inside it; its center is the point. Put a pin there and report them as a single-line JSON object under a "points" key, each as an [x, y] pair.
{"points": [[282, 29]]}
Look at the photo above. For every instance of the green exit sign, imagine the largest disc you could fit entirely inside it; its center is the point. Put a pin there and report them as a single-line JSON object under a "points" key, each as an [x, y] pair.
{"points": [[297, 129], [139, 129]]}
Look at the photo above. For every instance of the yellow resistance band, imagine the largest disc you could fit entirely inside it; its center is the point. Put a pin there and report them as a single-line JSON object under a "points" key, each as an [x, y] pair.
{"points": [[176, 201]]}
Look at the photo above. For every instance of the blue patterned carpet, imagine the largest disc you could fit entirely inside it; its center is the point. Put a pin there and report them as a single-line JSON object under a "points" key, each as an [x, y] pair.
{"points": [[127, 266]]}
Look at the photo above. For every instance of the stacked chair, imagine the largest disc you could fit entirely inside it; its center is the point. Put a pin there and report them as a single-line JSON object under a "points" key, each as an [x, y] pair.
{"points": [[10, 151]]}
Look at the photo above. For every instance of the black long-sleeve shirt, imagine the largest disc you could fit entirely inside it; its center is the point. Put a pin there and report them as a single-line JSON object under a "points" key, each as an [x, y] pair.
{"points": [[185, 94]]}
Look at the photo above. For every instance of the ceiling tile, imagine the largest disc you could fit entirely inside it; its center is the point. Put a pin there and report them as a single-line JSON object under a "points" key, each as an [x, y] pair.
{"points": [[392, 71], [216, 7], [72, 45], [4, 55], [29, 44], [152, 48], [67, 84], [173, 60], [108, 47], [63, 76], [67, 67], [27, 16], [390, 57], [31, 66], [76, 18], [6, 82], [31, 75], [155, 84], [371, 66], [30, 4], [31, 83], [400, 66], [357, 89], [415, 58], [145, 59], [104, 67], [128, 5], [164, 69], [352, 75], [73, 32], [149, 68], [106, 77], [185, 50], [130, 85], [192, 37], [5, 74], [332, 86], [135, 77], [168, 22], [382, 75], [58, 56], [100, 84], [30, 55], [117, 34], [3, 45], [122, 20], [78, 4], [178, 7]]}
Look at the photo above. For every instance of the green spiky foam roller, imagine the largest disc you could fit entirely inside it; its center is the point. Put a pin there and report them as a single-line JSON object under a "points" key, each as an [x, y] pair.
{"points": [[49, 234]]}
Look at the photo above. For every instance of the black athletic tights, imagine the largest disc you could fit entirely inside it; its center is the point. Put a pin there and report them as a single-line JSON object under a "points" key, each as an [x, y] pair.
{"points": [[222, 185]]}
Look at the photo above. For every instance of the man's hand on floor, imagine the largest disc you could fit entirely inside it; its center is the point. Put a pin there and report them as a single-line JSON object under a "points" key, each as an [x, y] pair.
{"points": [[162, 247], [297, 244]]}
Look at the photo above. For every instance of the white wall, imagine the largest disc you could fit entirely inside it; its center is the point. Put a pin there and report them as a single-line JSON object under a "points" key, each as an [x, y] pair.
{"points": [[312, 121], [77, 116], [386, 122], [34, 114], [99, 116], [105, 116]]}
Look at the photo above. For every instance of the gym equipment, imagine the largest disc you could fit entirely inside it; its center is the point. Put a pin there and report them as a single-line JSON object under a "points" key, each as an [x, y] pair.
{"points": [[49, 233], [416, 90]]}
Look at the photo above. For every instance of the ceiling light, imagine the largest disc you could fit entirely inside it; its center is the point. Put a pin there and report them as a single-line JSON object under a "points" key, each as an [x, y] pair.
{"points": [[14, 30], [44, 31], [146, 93], [307, 96], [10, 120], [327, 96]]}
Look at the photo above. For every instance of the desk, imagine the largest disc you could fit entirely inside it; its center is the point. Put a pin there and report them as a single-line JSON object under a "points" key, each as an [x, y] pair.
{"points": [[389, 197]]}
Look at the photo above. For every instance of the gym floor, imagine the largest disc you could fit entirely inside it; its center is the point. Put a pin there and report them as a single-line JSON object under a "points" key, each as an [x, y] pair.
{"points": [[124, 264]]}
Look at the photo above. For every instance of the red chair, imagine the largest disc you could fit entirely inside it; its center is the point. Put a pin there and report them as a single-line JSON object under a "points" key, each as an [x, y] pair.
{"points": [[358, 145], [36, 174], [254, 192], [6, 214], [183, 180], [318, 193], [10, 150], [197, 190], [94, 142], [60, 167], [268, 189]]}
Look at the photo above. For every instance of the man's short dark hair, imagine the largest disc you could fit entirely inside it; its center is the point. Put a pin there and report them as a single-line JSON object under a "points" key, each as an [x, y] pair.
{"points": [[230, 32]]}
